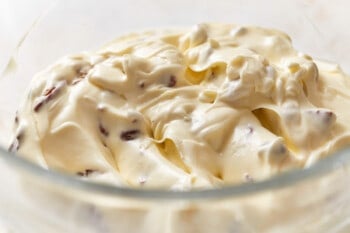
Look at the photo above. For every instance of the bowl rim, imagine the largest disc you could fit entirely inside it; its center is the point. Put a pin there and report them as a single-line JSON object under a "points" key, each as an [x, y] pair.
{"points": [[331, 163]]}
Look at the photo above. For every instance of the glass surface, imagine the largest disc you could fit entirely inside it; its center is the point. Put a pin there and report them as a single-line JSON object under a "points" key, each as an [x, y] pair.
{"points": [[36, 33]]}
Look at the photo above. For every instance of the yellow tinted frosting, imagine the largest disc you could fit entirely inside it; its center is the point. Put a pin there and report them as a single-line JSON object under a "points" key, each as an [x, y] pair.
{"points": [[201, 107]]}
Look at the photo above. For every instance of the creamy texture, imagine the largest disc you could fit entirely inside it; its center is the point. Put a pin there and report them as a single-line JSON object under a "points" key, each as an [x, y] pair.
{"points": [[203, 107]]}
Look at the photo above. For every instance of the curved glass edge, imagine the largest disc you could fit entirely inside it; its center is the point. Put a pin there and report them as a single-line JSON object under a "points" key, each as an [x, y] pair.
{"points": [[326, 165]]}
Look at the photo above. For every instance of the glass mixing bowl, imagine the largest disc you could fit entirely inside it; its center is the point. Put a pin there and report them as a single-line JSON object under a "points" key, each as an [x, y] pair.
{"points": [[33, 200]]}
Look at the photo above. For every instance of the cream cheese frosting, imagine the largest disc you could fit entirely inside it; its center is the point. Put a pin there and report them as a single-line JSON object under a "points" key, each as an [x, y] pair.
{"points": [[207, 106]]}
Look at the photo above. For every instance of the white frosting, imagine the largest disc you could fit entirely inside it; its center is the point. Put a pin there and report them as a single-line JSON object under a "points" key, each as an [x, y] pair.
{"points": [[203, 107]]}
